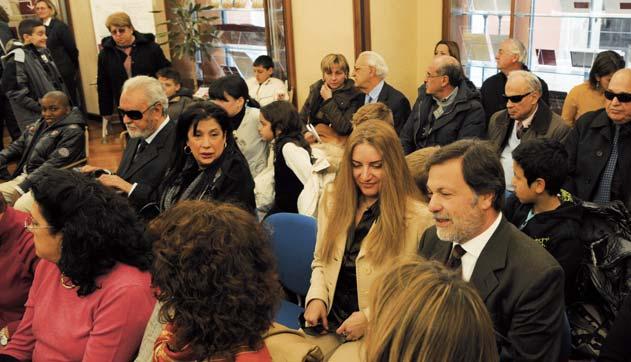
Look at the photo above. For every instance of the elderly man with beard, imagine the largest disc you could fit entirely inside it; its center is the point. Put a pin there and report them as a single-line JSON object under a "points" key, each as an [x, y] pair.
{"points": [[143, 109], [520, 283]]}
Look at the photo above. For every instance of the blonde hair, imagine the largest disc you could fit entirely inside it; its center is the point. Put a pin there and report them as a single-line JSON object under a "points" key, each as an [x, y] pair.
{"points": [[330, 59], [50, 5], [424, 312], [417, 161], [397, 187], [377, 111], [119, 19]]}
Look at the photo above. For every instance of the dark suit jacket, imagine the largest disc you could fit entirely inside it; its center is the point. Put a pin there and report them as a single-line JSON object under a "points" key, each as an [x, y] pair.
{"points": [[398, 104], [150, 167], [522, 287]]}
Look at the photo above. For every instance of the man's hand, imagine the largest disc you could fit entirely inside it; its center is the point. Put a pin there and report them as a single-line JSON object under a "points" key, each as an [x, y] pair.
{"points": [[115, 182], [326, 92], [88, 169]]}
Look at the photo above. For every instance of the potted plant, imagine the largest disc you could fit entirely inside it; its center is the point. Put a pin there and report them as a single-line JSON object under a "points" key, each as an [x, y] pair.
{"points": [[191, 34]]}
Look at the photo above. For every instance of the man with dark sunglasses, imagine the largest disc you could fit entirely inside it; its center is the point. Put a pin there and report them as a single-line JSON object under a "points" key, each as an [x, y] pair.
{"points": [[510, 57], [143, 109], [599, 147], [525, 118]]}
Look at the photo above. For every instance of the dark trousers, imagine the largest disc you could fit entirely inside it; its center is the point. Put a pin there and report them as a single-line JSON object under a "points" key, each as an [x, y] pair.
{"points": [[7, 119]]}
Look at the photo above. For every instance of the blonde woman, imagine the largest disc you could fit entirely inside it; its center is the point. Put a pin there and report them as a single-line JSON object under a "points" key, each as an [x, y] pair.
{"points": [[424, 312], [370, 215]]}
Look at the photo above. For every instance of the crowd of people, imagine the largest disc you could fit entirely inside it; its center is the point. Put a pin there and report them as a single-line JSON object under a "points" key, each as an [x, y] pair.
{"points": [[449, 230]]}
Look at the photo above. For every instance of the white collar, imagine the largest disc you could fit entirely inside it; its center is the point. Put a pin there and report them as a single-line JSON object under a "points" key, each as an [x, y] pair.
{"points": [[47, 21], [528, 121], [154, 134], [477, 244]]}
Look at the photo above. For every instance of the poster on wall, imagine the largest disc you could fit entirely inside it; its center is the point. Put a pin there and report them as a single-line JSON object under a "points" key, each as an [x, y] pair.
{"points": [[139, 11]]}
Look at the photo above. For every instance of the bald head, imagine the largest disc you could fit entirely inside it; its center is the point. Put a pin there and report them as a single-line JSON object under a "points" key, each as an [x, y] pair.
{"points": [[59, 97], [450, 67], [620, 84]]}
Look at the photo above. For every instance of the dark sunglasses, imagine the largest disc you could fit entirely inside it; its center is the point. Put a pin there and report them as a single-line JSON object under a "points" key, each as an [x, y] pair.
{"points": [[118, 31], [515, 99], [622, 97], [133, 114], [318, 329]]}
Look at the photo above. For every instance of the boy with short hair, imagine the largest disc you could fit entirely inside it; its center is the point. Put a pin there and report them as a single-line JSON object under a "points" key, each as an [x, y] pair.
{"points": [[541, 209], [179, 97], [263, 87], [29, 72]]}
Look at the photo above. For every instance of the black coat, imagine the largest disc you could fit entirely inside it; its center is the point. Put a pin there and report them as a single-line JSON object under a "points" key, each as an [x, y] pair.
{"points": [[589, 146], [558, 231], [493, 88], [398, 104], [147, 59], [63, 48], [229, 180], [337, 111], [522, 287], [463, 119], [150, 167]]}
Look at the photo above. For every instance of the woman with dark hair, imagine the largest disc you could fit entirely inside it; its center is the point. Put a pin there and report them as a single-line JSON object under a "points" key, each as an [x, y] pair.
{"points": [[447, 47], [231, 93], [216, 277], [590, 95], [62, 46], [332, 101], [207, 164], [91, 296], [292, 155]]}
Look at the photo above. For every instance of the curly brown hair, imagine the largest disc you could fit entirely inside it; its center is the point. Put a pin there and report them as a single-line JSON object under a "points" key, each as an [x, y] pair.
{"points": [[216, 275]]}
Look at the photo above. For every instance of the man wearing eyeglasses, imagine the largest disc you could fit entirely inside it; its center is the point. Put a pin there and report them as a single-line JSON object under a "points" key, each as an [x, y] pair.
{"points": [[526, 117], [599, 147], [447, 108], [143, 109]]}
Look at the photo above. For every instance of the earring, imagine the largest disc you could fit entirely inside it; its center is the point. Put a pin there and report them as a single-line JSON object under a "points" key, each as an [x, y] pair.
{"points": [[187, 150]]}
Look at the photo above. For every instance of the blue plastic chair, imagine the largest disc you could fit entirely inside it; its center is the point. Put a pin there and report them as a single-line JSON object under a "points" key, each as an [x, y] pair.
{"points": [[293, 241]]}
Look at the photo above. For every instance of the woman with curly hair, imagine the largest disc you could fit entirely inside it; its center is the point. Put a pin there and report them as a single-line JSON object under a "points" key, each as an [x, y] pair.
{"points": [[91, 295], [424, 312], [370, 215], [216, 276]]}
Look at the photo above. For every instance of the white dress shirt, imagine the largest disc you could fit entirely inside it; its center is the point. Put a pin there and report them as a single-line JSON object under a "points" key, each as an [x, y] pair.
{"points": [[266, 92], [474, 248]]}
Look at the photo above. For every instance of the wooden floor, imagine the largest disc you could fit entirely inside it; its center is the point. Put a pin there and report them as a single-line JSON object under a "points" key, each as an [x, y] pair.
{"points": [[105, 155]]}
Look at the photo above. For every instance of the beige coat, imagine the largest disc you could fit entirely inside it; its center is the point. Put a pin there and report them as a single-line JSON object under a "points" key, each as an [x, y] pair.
{"points": [[324, 275]]}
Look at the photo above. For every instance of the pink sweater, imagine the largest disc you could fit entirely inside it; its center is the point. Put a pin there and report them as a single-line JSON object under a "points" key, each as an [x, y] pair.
{"points": [[106, 325]]}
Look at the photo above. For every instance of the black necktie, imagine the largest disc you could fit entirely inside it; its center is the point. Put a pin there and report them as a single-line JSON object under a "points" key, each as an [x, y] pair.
{"points": [[141, 147], [455, 259]]}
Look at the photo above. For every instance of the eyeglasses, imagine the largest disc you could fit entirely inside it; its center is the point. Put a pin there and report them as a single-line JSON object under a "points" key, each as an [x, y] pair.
{"points": [[428, 75], [133, 114], [118, 31], [515, 99], [28, 225], [622, 97]]}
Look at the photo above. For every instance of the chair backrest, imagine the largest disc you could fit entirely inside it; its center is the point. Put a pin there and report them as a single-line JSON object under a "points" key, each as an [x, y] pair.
{"points": [[293, 241]]}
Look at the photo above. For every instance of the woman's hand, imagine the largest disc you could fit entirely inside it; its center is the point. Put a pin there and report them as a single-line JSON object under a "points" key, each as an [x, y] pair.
{"points": [[353, 327], [316, 312], [326, 92]]}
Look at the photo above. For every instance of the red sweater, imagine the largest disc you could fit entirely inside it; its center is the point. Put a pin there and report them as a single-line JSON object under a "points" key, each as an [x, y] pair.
{"points": [[17, 265], [106, 325]]}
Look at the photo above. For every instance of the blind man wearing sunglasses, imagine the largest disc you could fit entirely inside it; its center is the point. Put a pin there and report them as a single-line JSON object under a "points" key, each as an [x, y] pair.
{"points": [[599, 147], [143, 109], [526, 117]]}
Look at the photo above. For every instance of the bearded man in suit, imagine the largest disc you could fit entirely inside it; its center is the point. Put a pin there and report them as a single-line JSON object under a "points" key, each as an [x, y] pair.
{"points": [[520, 283], [148, 155]]}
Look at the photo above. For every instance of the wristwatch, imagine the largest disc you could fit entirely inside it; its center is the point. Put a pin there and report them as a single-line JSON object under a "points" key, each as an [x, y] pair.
{"points": [[4, 336]]}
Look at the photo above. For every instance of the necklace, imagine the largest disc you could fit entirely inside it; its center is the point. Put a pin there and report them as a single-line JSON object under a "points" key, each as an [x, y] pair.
{"points": [[68, 284]]}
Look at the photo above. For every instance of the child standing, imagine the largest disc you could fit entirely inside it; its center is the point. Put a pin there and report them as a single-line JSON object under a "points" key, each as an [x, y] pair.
{"points": [[542, 210], [279, 121], [30, 73], [179, 97]]}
